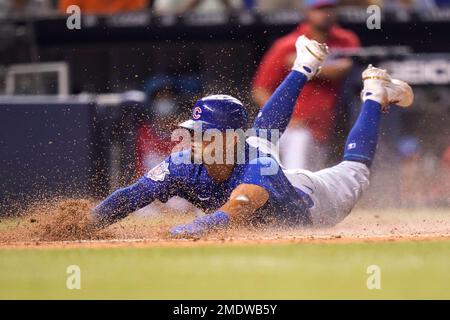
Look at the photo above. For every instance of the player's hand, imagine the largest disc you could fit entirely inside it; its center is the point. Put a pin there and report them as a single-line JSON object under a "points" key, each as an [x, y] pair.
{"points": [[201, 226]]}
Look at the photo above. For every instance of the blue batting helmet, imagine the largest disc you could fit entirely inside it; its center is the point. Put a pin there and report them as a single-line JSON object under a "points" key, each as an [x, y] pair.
{"points": [[217, 112]]}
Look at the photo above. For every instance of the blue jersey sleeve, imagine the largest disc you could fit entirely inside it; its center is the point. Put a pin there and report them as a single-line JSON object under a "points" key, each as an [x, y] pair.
{"points": [[160, 183], [263, 172]]}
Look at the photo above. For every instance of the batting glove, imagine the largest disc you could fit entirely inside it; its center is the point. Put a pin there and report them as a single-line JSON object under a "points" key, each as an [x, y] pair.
{"points": [[202, 225]]}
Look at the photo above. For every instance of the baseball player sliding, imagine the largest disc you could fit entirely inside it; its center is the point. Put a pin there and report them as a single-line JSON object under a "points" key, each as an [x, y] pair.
{"points": [[258, 189]]}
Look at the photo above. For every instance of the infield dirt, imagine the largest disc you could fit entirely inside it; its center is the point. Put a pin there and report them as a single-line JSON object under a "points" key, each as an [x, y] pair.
{"points": [[62, 224]]}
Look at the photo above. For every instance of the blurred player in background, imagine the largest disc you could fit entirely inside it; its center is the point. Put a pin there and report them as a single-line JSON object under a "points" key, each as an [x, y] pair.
{"points": [[413, 187], [153, 136], [313, 120]]}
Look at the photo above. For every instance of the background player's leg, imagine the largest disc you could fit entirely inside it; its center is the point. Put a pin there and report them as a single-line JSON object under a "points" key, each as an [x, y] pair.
{"points": [[362, 140], [298, 139]]}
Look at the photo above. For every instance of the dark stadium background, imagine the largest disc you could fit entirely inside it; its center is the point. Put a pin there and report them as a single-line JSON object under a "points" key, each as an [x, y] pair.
{"points": [[85, 144]]}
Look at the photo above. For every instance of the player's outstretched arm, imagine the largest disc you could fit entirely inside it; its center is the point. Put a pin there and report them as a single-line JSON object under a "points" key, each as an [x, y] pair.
{"points": [[155, 184], [277, 111], [121, 203], [243, 202]]}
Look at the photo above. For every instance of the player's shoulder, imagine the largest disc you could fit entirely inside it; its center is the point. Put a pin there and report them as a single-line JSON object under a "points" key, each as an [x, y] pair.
{"points": [[181, 162], [261, 151], [182, 157], [177, 165], [286, 41], [345, 36]]}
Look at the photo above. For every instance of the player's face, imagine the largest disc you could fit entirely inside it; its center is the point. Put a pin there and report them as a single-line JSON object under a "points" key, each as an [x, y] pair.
{"points": [[198, 146], [201, 147], [321, 18]]}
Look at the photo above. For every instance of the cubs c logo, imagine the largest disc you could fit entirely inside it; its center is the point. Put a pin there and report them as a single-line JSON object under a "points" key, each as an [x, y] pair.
{"points": [[196, 113]]}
